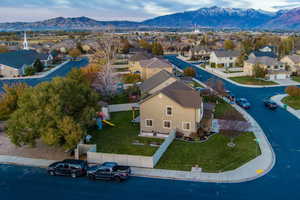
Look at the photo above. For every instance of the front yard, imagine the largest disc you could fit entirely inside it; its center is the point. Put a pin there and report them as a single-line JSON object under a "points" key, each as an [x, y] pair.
{"points": [[249, 80], [296, 78], [293, 102], [212, 156], [120, 139]]}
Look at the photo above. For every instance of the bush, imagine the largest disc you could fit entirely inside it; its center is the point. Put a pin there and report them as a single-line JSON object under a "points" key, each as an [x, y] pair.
{"points": [[132, 78], [189, 72], [259, 72], [293, 91], [29, 71], [213, 65]]}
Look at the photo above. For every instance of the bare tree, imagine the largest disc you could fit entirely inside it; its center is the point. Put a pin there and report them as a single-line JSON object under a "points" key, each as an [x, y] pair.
{"points": [[217, 86], [233, 129]]}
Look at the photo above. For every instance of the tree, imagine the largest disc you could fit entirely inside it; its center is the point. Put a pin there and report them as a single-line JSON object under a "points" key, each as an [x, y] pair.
{"points": [[58, 112], [293, 91], [38, 65], [258, 71], [9, 99], [132, 78], [217, 85], [29, 71], [157, 49], [189, 71], [229, 45], [74, 53], [125, 46], [145, 45]]}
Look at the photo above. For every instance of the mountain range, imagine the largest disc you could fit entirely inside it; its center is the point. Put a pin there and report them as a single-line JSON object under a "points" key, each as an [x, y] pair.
{"points": [[213, 17]]}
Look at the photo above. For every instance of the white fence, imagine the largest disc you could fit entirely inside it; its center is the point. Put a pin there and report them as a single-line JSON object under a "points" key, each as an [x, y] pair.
{"points": [[131, 160], [122, 107], [234, 72]]}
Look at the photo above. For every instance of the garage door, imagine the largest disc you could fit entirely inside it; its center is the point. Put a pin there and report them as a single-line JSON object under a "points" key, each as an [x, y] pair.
{"points": [[272, 77], [281, 76]]}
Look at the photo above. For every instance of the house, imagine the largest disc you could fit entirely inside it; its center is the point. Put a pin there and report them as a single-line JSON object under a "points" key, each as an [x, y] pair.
{"points": [[157, 82], [148, 68], [275, 69], [270, 49], [134, 61], [175, 107], [257, 54], [13, 64], [200, 52], [293, 63], [224, 58]]}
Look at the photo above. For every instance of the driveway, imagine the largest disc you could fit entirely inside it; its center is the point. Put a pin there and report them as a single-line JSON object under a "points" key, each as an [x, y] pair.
{"points": [[285, 82]]}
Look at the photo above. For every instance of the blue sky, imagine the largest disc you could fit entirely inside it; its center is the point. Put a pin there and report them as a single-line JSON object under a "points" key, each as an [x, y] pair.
{"points": [[136, 10]]}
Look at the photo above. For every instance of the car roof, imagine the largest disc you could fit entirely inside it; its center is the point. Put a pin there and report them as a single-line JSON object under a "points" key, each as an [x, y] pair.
{"points": [[74, 161]]}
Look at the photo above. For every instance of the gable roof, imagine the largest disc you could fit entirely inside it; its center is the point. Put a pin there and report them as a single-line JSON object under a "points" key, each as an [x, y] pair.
{"points": [[140, 56], [264, 54], [225, 53], [182, 94], [265, 61], [295, 58], [17, 59], [155, 80], [155, 63]]}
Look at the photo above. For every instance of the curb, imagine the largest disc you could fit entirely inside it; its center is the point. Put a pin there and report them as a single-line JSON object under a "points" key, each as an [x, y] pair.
{"points": [[289, 109]]}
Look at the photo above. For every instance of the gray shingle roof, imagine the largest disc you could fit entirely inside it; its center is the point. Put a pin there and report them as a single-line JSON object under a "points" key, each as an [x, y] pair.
{"points": [[140, 56], [225, 53], [264, 54], [155, 80], [155, 63], [264, 60], [17, 59], [295, 58]]}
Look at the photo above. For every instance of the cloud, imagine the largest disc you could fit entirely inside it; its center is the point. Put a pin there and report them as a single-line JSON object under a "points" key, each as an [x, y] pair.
{"points": [[32, 10]]}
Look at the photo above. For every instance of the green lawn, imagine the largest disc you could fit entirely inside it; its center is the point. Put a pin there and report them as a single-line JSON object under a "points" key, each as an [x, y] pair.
{"points": [[212, 156], [296, 78], [119, 139], [248, 80], [293, 102]]}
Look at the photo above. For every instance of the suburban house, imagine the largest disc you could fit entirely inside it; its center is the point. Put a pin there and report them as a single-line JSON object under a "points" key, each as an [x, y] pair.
{"points": [[148, 68], [257, 54], [200, 52], [275, 69], [293, 63], [157, 82], [177, 107], [13, 64], [224, 58]]}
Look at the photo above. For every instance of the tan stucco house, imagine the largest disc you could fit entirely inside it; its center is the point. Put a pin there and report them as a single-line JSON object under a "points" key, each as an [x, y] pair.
{"points": [[148, 68], [224, 58], [293, 61], [176, 107]]}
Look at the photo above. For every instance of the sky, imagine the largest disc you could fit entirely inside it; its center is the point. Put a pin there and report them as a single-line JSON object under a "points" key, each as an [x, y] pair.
{"points": [[133, 10]]}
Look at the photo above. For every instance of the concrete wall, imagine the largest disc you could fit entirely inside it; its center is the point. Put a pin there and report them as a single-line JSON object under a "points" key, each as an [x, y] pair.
{"points": [[122, 107], [130, 160], [8, 71]]}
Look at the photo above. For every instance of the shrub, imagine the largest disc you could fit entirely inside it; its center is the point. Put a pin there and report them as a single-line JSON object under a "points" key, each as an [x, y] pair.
{"points": [[189, 72], [29, 71], [258, 71], [213, 65], [293, 91], [132, 78]]}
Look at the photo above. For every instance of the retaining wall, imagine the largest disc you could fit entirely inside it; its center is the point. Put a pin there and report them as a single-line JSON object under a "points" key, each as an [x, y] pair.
{"points": [[122, 107]]}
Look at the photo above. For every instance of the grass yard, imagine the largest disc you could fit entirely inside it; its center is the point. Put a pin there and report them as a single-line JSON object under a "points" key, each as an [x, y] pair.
{"points": [[248, 80], [119, 139], [296, 78], [293, 102], [212, 156]]}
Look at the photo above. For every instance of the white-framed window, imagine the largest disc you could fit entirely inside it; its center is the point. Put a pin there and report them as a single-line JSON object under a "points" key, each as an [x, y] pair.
{"points": [[169, 110], [186, 126], [148, 122], [167, 124]]}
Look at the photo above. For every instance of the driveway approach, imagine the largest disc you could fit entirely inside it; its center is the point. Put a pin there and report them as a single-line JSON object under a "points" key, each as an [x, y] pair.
{"points": [[62, 71], [283, 182]]}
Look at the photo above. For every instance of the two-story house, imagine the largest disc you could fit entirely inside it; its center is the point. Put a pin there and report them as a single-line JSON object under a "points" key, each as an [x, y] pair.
{"points": [[224, 58], [293, 63], [175, 107]]}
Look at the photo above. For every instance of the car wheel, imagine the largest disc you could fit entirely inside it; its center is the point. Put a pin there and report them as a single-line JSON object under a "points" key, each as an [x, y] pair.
{"points": [[52, 173], [73, 175], [92, 177], [118, 179]]}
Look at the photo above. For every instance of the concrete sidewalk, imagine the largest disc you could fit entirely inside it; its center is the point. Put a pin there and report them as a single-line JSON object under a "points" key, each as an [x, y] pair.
{"points": [[277, 99]]}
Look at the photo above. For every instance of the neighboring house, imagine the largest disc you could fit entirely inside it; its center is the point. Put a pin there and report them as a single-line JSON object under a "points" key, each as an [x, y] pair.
{"points": [[293, 63], [175, 107], [200, 52], [134, 61], [275, 69], [13, 64], [257, 54], [224, 58], [270, 49], [157, 82], [148, 68]]}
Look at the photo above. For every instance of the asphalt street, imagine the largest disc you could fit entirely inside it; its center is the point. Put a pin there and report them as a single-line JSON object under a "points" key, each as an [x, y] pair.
{"points": [[281, 128]]}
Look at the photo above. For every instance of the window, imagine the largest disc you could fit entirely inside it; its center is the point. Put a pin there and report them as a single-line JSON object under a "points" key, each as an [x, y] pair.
{"points": [[169, 111], [186, 126], [167, 124], [149, 122]]}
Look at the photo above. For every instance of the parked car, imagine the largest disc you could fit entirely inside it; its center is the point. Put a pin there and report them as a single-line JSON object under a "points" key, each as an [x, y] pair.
{"points": [[244, 103], [230, 95], [270, 104], [73, 168], [109, 171]]}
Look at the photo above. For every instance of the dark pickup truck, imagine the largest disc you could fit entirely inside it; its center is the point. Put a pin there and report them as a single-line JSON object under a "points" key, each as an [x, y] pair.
{"points": [[109, 171]]}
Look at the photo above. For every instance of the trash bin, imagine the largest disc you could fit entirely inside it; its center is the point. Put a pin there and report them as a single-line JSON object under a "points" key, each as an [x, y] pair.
{"points": [[285, 106]]}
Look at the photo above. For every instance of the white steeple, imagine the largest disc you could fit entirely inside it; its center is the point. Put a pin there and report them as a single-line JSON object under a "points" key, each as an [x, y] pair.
{"points": [[25, 43]]}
